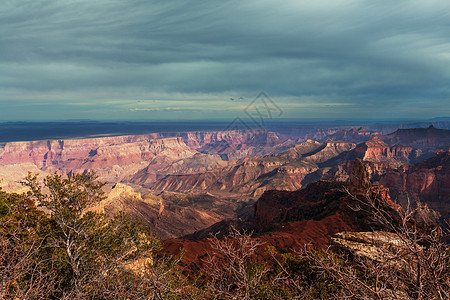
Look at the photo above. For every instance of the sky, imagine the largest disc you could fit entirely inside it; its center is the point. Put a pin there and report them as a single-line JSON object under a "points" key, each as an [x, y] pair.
{"points": [[190, 60]]}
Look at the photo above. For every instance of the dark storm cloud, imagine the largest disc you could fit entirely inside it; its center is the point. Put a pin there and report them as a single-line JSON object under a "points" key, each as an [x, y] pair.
{"points": [[364, 53]]}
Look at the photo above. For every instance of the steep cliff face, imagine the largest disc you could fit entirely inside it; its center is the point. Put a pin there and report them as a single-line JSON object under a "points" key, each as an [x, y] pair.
{"points": [[328, 151], [47, 153], [118, 158], [324, 134], [252, 176], [353, 135], [121, 161], [427, 182], [233, 145], [288, 220], [113, 158], [426, 139], [375, 151], [38, 153], [125, 154], [200, 139], [378, 151]]}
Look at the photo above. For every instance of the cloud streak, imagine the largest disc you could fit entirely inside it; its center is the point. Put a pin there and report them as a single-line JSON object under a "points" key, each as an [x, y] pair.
{"points": [[373, 55]]}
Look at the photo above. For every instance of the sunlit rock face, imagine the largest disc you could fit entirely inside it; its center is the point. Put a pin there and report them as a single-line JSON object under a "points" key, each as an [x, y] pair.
{"points": [[239, 165], [169, 215], [11, 176], [116, 158]]}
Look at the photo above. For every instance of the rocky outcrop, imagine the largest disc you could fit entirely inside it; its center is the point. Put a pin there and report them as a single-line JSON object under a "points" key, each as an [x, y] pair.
{"points": [[253, 176], [300, 150], [378, 151], [197, 163], [425, 139], [12, 175], [359, 178], [378, 246], [288, 220], [374, 150], [328, 151], [169, 216], [353, 135], [316, 201], [233, 145], [113, 158], [323, 134], [427, 182], [47, 153]]}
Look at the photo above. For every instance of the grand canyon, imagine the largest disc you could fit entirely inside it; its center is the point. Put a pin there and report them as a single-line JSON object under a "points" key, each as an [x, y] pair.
{"points": [[224, 150], [180, 183], [205, 201]]}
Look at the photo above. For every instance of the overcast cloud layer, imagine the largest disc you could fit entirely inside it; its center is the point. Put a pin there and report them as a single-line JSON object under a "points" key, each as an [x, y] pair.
{"points": [[186, 59]]}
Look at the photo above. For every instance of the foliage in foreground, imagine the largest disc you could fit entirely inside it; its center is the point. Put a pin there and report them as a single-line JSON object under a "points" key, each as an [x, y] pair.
{"points": [[65, 251], [69, 252]]}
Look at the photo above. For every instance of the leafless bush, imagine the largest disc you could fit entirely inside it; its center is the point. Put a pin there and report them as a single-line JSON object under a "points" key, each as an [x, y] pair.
{"points": [[414, 260], [232, 269], [421, 247], [22, 268]]}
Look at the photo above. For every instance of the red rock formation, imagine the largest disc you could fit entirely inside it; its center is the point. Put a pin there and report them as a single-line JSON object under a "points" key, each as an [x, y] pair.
{"points": [[199, 139], [232, 145], [113, 158], [117, 158], [169, 215], [290, 219], [289, 170], [47, 153], [329, 150], [377, 150], [427, 182], [348, 134], [353, 135], [374, 150], [252, 176], [429, 138]]}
